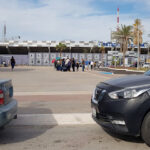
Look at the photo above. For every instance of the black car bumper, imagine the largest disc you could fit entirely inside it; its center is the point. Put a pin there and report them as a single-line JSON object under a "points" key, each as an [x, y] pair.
{"points": [[107, 124], [120, 116]]}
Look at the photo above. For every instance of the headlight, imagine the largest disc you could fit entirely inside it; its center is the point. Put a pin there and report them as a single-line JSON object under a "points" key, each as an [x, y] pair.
{"points": [[127, 93]]}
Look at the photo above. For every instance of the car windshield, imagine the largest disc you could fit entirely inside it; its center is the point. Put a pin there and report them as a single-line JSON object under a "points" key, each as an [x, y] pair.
{"points": [[147, 73]]}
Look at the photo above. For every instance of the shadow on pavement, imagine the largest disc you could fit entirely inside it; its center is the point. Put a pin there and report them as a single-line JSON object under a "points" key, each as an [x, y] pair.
{"points": [[26, 127], [8, 69], [33, 110], [18, 134], [128, 138]]}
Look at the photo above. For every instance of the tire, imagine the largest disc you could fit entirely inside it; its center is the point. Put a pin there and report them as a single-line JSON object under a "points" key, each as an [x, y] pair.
{"points": [[15, 117], [2, 128], [145, 129]]}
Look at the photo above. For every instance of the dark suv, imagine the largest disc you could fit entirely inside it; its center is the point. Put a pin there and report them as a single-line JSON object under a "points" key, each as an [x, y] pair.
{"points": [[122, 105]]}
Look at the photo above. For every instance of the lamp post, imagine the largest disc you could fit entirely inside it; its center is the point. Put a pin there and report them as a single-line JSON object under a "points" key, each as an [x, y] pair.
{"points": [[148, 53], [138, 62]]}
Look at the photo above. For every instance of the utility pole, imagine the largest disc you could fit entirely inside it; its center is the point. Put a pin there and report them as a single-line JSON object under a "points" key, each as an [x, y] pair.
{"points": [[4, 33], [138, 61]]}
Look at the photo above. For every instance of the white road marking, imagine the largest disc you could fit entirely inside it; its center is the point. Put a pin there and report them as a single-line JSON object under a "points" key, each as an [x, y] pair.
{"points": [[53, 119], [52, 93]]}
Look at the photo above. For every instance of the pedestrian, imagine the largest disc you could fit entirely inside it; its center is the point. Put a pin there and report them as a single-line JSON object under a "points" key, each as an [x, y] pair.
{"points": [[77, 65], [92, 64], [73, 65], [67, 60], [69, 65], [55, 64], [63, 62], [83, 65], [87, 65], [58, 65], [13, 62]]}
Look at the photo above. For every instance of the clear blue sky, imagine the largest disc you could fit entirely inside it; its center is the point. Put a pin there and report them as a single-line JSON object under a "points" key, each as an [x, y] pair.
{"points": [[70, 19]]}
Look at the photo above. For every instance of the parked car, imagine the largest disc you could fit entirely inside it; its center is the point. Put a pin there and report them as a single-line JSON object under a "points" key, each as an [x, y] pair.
{"points": [[146, 65], [122, 105], [8, 105]]}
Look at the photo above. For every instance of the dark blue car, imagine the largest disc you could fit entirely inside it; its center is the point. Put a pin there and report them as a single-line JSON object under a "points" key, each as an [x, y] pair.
{"points": [[8, 105]]}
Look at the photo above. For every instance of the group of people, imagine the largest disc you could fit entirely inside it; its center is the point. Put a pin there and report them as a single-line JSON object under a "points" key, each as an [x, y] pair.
{"points": [[67, 64]]}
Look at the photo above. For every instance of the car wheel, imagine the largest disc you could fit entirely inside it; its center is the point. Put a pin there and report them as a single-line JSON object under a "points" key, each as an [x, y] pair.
{"points": [[145, 129], [15, 117], [2, 128]]}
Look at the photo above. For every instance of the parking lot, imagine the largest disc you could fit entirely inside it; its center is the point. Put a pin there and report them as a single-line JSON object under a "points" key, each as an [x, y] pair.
{"points": [[54, 112]]}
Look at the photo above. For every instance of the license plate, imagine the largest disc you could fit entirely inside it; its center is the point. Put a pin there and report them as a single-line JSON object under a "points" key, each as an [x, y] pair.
{"points": [[8, 116], [94, 112]]}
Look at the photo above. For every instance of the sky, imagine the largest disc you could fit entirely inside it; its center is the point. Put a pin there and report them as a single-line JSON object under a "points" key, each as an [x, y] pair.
{"points": [[78, 20]]}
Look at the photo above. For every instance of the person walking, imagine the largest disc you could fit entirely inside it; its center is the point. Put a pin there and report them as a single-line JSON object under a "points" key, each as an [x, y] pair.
{"points": [[87, 65], [69, 65], [83, 65], [13, 62], [73, 65], [92, 65], [77, 65]]}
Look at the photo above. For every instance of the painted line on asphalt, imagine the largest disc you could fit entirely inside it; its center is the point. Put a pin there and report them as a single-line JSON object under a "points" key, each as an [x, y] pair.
{"points": [[53, 119], [52, 93]]}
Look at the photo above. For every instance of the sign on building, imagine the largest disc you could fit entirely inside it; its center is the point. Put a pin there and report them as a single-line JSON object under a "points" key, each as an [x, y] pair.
{"points": [[38, 58], [75, 56], [81, 56], [63, 55], [89, 57], [96, 57], [68, 55], [52, 56], [31, 58], [131, 54], [46, 60]]}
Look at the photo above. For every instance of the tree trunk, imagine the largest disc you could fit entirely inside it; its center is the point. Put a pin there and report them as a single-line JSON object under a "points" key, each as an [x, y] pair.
{"points": [[60, 53], [124, 57]]}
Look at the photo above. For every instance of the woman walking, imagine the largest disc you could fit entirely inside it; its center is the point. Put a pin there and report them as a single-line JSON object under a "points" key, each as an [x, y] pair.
{"points": [[77, 65], [73, 65], [13, 62], [83, 65]]}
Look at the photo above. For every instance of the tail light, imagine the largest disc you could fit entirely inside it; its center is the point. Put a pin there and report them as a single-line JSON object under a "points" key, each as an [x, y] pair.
{"points": [[1, 97]]}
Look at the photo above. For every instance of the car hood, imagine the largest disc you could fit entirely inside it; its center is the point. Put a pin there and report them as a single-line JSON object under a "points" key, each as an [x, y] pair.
{"points": [[129, 81]]}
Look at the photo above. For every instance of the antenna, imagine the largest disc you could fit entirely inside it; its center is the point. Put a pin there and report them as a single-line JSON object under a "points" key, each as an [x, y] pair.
{"points": [[4, 32]]}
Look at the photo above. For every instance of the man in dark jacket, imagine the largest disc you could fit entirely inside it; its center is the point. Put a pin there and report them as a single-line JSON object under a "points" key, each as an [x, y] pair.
{"points": [[73, 65], [13, 62]]}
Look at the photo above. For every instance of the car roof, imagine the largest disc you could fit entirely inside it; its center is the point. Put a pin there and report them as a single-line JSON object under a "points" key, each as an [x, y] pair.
{"points": [[4, 80]]}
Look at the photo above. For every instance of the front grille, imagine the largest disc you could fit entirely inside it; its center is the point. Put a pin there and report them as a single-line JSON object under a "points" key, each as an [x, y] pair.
{"points": [[99, 94]]}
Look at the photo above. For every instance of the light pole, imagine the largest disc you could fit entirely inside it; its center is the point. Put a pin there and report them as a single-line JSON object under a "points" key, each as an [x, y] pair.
{"points": [[148, 53], [138, 62]]}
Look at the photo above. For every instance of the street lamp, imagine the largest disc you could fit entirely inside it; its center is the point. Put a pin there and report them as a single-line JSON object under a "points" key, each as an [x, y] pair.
{"points": [[148, 46], [138, 62]]}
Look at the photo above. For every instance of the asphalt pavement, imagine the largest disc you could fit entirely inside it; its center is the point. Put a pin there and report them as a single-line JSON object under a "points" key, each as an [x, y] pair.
{"points": [[54, 112]]}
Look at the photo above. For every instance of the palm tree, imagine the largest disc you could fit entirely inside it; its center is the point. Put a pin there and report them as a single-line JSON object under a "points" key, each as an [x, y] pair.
{"points": [[123, 34], [61, 47], [137, 36], [95, 49]]}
